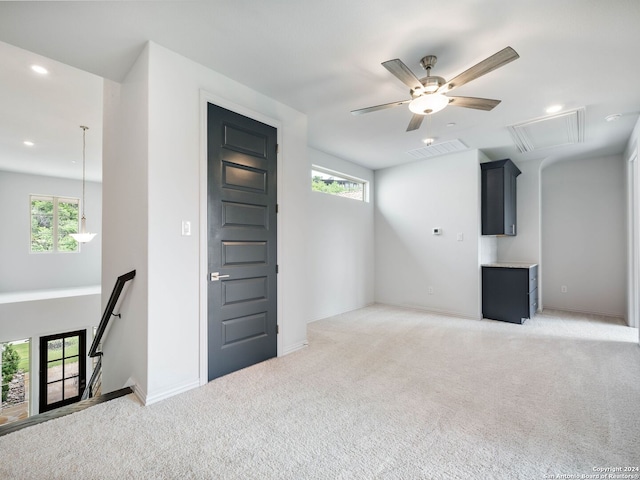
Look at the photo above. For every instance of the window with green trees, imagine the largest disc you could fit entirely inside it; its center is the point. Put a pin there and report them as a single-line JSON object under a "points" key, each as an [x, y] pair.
{"points": [[10, 363], [335, 183], [52, 220]]}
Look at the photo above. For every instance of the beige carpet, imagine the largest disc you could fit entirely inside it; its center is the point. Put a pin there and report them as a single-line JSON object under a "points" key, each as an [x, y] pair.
{"points": [[380, 393]]}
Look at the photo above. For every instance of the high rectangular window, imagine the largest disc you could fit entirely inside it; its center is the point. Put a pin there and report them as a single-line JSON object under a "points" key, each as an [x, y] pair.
{"points": [[52, 220], [336, 183]]}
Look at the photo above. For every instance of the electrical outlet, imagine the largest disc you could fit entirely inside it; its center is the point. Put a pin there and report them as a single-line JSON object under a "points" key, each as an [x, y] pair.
{"points": [[563, 289], [430, 290]]}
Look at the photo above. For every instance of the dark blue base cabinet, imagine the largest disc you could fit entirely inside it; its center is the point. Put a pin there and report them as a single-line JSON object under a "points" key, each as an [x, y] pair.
{"points": [[509, 292]]}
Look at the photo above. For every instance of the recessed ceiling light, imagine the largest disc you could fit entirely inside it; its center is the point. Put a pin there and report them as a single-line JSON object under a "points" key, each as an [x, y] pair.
{"points": [[553, 108], [39, 69], [613, 117], [451, 124], [28, 143]]}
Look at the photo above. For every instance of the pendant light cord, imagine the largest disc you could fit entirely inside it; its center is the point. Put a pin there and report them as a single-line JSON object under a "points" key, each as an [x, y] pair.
{"points": [[83, 236], [84, 132]]}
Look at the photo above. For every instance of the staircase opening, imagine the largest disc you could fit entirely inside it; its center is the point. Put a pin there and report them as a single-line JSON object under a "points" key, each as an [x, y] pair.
{"points": [[63, 386]]}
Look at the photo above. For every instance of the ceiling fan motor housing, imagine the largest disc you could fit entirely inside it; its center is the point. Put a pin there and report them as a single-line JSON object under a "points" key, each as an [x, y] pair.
{"points": [[428, 62], [431, 84]]}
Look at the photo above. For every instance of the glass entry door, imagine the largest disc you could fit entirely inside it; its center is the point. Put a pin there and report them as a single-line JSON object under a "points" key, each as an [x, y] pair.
{"points": [[62, 369]]}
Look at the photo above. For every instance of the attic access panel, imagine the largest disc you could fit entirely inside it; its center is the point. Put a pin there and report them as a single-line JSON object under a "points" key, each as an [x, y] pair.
{"points": [[566, 128]]}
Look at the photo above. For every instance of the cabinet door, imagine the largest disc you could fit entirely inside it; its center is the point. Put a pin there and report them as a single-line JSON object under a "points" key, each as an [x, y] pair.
{"points": [[492, 201], [498, 197], [505, 294]]}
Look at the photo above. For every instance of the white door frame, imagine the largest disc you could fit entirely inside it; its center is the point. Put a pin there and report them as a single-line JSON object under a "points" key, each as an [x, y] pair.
{"points": [[633, 222]]}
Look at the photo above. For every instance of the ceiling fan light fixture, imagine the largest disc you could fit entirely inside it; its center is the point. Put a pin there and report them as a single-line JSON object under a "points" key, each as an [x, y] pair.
{"points": [[431, 84], [428, 104]]}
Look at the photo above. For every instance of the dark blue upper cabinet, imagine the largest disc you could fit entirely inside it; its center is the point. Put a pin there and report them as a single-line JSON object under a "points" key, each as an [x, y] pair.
{"points": [[498, 197]]}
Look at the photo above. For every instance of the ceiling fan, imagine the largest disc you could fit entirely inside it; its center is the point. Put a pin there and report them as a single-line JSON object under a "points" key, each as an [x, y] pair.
{"points": [[428, 93]]}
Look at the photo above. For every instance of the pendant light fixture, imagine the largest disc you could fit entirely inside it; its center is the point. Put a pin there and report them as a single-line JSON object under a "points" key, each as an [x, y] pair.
{"points": [[83, 236]]}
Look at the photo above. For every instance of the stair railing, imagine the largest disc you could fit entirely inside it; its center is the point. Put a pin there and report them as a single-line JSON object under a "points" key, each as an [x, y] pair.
{"points": [[96, 377]]}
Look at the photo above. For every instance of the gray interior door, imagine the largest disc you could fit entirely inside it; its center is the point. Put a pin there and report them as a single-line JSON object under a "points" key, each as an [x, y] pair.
{"points": [[242, 211]]}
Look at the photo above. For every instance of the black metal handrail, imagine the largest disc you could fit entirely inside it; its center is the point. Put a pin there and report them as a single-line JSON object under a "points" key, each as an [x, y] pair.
{"points": [[90, 389], [108, 311], [102, 328]]}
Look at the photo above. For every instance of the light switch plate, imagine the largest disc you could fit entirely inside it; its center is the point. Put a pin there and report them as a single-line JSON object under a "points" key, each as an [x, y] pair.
{"points": [[186, 228]]}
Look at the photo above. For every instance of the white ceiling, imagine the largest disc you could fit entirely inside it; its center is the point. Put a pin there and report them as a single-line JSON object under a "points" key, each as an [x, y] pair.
{"points": [[323, 58], [48, 111]]}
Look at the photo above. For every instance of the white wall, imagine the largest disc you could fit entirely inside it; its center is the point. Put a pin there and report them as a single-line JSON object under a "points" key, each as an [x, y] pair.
{"points": [[125, 225], [525, 246], [584, 235], [22, 270], [410, 201], [341, 244], [165, 105]]}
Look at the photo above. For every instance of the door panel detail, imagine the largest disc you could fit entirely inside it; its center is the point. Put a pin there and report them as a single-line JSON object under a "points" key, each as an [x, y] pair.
{"points": [[244, 253], [243, 178], [242, 329], [244, 141], [245, 290], [244, 215]]}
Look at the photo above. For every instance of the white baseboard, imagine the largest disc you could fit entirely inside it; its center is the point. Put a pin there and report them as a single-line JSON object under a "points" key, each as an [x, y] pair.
{"points": [[139, 393], [584, 312], [447, 313], [293, 348], [322, 316], [147, 399]]}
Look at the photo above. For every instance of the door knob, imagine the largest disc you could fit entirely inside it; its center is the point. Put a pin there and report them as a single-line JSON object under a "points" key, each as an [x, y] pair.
{"points": [[215, 276]]}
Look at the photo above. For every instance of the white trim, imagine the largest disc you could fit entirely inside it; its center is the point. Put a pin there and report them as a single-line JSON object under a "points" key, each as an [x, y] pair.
{"points": [[633, 248], [293, 348], [206, 98], [584, 312], [350, 309], [139, 393], [149, 400], [34, 377], [446, 313]]}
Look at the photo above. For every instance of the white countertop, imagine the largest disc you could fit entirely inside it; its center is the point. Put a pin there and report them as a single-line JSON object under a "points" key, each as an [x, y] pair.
{"points": [[510, 265]]}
